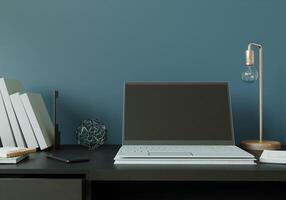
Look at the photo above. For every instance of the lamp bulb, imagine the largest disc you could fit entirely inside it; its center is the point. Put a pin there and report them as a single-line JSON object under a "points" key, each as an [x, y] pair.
{"points": [[249, 74]]}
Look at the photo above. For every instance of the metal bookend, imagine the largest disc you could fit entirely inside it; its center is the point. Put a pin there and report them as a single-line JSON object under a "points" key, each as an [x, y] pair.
{"points": [[57, 139]]}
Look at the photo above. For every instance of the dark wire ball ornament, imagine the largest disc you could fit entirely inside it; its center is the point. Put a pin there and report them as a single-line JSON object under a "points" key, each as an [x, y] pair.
{"points": [[91, 133]]}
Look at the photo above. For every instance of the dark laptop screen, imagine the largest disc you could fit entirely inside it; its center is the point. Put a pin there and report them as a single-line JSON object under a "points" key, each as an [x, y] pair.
{"points": [[193, 111]]}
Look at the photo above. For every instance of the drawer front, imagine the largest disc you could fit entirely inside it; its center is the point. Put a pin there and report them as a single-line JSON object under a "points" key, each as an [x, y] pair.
{"points": [[43, 189]]}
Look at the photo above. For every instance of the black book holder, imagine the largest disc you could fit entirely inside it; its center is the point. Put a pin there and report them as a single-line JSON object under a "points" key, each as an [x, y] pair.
{"points": [[57, 140]]}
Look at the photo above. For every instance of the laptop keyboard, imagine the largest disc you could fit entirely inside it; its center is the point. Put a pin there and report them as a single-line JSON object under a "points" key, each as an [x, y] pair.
{"points": [[172, 148], [181, 151]]}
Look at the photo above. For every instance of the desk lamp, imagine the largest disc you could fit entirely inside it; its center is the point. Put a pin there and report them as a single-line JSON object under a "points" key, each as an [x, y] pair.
{"points": [[250, 75]]}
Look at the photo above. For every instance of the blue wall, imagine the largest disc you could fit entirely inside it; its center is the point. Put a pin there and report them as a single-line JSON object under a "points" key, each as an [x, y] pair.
{"points": [[87, 49]]}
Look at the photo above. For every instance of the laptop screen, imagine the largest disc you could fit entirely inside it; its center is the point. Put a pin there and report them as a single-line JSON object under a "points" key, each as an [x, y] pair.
{"points": [[164, 113]]}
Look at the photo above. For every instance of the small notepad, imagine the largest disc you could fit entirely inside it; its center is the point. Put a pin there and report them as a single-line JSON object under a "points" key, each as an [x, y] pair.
{"points": [[9, 152], [273, 156], [13, 160]]}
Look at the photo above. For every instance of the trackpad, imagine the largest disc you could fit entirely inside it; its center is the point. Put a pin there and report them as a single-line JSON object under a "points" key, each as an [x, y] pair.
{"points": [[169, 154]]}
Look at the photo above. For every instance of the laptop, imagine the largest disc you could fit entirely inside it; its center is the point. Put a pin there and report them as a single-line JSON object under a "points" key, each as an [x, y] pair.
{"points": [[178, 123]]}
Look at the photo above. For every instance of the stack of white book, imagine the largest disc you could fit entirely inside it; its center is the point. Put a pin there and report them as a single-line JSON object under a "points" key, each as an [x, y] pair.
{"points": [[273, 156], [13, 155], [24, 119]]}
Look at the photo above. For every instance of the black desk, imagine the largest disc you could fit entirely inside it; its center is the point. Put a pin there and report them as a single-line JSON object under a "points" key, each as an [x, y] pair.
{"points": [[89, 179]]}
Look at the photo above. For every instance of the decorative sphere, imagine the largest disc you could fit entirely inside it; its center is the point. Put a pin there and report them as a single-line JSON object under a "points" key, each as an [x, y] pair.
{"points": [[91, 133], [249, 75]]}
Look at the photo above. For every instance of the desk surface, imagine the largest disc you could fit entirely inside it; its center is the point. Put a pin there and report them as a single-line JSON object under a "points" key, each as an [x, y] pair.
{"points": [[100, 167]]}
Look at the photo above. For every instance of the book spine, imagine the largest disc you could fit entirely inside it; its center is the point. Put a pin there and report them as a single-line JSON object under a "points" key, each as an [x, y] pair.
{"points": [[23, 120], [6, 134], [43, 142], [9, 87]]}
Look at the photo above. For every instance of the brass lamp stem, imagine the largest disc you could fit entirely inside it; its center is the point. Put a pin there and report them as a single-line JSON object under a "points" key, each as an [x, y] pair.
{"points": [[250, 62]]}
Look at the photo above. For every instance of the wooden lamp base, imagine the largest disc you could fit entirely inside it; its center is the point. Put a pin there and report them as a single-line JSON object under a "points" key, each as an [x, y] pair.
{"points": [[260, 145]]}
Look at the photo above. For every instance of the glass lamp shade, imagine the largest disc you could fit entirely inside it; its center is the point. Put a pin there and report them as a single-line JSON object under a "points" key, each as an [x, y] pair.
{"points": [[249, 74]]}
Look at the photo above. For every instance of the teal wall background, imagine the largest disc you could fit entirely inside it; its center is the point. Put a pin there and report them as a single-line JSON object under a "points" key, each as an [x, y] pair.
{"points": [[87, 49]]}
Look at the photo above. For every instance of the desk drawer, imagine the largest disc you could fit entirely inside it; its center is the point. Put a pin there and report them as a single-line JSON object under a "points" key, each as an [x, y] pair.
{"points": [[43, 189]]}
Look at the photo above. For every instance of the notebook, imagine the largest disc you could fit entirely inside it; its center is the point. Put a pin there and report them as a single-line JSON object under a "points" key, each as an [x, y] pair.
{"points": [[10, 152], [178, 123], [273, 156]]}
